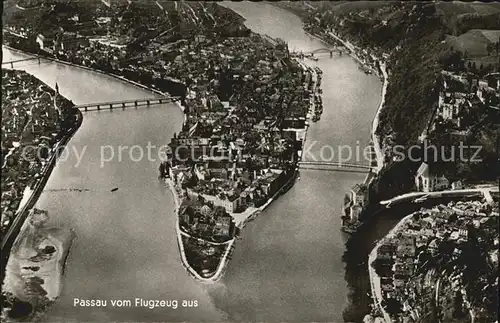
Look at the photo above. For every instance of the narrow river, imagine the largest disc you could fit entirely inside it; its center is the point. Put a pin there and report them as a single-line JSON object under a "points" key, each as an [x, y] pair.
{"points": [[288, 267]]}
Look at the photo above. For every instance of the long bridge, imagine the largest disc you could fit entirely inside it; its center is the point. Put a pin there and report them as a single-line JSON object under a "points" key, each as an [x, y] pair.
{"points": [[335, 166], [110, 105], [326, 50]]}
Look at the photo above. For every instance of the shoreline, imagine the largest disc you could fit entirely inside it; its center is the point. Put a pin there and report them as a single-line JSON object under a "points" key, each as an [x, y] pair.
{"points": [[31, 268], [180, 244], [376, 120], [240, 225], [116, 76], [377, 146]]}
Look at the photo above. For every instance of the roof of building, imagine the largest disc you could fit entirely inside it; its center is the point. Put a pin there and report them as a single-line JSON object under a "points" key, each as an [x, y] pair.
{"points": [[205, 210]]}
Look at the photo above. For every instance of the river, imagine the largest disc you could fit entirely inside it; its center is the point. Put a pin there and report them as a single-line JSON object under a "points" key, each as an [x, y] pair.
{"points": [[287, 267]]}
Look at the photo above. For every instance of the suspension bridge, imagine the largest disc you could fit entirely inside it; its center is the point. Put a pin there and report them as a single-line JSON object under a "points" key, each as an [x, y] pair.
{"points": [[335, 166]]}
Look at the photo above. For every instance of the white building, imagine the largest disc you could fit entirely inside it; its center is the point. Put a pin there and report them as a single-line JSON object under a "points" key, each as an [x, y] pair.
{"points": [[425, 181]]}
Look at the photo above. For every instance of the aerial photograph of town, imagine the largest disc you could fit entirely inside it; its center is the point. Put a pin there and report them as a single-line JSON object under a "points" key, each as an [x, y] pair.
{"points": [[245, 161]]}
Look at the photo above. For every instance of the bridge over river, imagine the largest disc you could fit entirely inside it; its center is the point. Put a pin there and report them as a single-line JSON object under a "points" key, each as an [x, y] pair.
{"points": [[324, 50]]}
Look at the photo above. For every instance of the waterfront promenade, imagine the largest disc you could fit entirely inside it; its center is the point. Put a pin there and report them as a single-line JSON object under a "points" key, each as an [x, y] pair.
{"points": [[377, 145], [223, 262]]}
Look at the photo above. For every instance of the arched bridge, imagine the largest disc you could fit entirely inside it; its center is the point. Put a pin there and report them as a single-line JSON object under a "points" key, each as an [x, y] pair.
{"points": [[110, 105], [335, 166], [326, 50]]}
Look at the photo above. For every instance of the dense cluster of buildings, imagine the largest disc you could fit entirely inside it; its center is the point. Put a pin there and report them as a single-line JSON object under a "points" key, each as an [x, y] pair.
{"points": [[461, 95], [434, 247], [239, 144], [32, 117]]}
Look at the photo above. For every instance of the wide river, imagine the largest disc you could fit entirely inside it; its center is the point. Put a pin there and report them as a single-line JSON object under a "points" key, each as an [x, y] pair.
{"points": [[287, 267]]}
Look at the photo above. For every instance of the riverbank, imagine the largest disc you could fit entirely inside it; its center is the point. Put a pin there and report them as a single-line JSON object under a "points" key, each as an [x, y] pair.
{"points": [[450, 215], [377, 146], [185, 263], [381, 71]]}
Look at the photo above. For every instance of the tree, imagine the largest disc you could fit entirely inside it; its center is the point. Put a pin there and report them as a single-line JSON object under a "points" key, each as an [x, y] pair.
{"points": [[489, 48], [474, 67]]}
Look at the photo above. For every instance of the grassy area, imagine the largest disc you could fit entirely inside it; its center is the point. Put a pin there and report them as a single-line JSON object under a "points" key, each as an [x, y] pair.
{"points": [[474, 42]]}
